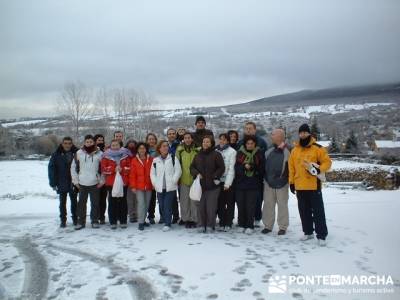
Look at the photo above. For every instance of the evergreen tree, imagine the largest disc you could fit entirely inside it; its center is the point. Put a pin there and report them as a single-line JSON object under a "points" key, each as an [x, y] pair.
{"points": [[352, 143], [334, 147], [315, 132]]}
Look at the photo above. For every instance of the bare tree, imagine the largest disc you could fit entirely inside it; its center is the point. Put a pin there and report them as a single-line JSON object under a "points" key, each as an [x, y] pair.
{"points": [[75, 104], [133, 112], [104, 109], [7, 142], [103, 97]]}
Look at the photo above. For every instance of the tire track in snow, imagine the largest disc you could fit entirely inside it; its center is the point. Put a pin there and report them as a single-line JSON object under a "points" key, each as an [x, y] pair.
{"points": [[36, 275], [139, 287]]}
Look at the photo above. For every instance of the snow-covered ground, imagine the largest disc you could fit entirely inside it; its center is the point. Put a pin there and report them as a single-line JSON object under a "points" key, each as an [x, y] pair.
{"points": [[40, 260], [29, 122], [333, 109], [347, 164]]}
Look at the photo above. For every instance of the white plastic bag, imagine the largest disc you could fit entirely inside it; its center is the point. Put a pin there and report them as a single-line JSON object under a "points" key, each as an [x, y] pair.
{"points": [[195, 190], [118, 186]]}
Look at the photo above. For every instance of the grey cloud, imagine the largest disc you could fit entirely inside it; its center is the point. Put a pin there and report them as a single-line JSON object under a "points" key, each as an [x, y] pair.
{"points": [[196, 52]]}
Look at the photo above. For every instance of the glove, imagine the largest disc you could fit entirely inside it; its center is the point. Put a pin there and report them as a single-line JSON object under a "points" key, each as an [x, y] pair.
{"points": [[292, 189], [75, 188]]}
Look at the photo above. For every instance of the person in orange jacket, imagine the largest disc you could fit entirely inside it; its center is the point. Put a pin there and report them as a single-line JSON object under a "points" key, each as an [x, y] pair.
{"points": [[116, 159], [140, 182], [307, 162]]}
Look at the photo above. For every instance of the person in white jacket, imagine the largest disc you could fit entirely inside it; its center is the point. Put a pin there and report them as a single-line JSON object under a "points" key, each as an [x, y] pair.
{"points": [[85, 173], [226, 198], [165, 173]]}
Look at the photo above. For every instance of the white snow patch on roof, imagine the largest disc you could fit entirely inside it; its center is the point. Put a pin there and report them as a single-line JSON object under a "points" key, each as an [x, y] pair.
{"points": [[387, 144]]}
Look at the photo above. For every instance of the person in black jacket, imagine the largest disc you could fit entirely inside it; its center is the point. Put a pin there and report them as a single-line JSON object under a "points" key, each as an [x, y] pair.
{"points": [[60, 178], [100, 143], [250, 129], [209, 165], [201, 131], [249, 172]]}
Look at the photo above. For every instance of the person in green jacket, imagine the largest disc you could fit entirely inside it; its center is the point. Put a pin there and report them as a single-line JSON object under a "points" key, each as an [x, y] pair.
{"points": [[185, 153]]}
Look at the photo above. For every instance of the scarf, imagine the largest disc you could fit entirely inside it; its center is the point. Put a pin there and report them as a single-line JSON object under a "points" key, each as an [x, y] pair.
{"points": [[101, 146], [305, 142], [208, 150], [132, 151], [116, 155], [281, 146], [188, 148], [90, 149], [220, 149], [248, 159]]}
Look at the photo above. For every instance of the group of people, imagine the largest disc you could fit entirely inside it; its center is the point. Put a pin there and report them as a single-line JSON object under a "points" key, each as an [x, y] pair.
{"points": [[237, 171]]}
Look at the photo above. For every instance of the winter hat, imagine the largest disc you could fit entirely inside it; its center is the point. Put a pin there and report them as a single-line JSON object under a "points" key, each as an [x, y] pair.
{"points": [[304, 128], [200, 118]]}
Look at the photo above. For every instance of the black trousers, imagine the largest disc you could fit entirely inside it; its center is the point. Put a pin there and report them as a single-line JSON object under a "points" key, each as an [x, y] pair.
{"points": [[312, 213], [152, 206], [259, 201], [102, 203], [246, 203], [117, 208], [226, 206], [175, 208], [84, 192], [63, 206]]}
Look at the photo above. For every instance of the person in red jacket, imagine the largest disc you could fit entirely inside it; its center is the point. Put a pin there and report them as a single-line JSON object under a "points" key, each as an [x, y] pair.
{"points": [[116, 159], [140, 183]]}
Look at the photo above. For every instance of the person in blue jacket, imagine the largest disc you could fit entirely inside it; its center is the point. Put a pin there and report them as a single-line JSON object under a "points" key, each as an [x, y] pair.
{"points": [[59, 171]]}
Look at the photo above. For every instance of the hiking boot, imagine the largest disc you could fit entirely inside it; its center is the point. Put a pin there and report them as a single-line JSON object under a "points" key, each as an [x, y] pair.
{"points": [[211, 229], [249, 231], [321, 243], [63, 224], [240, 230], [113, 226], [95, 225], [281, 232], [221, 228], [141, 226], [306, 237], [166, 228], [265, 231], [132, 220], [152, 222], [79, 227], [123, 225]]}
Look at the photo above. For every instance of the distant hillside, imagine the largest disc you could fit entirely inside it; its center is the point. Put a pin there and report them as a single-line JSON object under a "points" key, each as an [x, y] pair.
{"points": [[339, 95]]}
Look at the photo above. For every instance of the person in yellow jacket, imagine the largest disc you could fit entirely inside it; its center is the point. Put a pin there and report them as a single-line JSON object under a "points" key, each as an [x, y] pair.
{"points": [[308, 162]]}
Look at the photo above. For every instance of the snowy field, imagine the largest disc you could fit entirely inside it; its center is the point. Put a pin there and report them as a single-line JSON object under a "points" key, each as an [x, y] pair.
{"points": [[40, 260]]}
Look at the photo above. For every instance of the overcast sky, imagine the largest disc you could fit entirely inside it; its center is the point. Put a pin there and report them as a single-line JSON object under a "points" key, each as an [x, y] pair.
{"points": [[192, 52]]}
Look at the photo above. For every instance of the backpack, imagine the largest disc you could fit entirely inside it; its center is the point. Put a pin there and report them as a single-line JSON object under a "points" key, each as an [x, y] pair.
{"points": [[77, 167]]}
